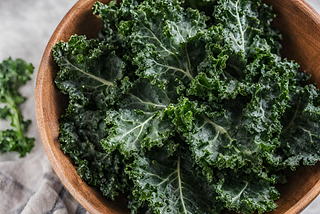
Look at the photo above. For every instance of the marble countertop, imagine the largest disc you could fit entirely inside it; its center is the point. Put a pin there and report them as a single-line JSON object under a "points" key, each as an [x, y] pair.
{"points": [[26, 27]]}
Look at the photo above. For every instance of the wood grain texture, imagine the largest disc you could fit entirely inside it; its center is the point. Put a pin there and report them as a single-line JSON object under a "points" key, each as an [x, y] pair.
{"points": [[300, 26]]}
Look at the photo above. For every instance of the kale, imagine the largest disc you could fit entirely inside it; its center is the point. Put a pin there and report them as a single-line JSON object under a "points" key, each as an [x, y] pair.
{"points": [[186, 106], [168, 183], [14, 74]]}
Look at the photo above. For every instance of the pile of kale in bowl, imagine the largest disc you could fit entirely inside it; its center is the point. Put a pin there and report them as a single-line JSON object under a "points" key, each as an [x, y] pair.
{"points": [[186, 106]]}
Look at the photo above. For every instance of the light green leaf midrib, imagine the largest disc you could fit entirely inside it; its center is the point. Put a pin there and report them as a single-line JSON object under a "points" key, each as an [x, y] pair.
{"points": [[240, 26], [145, 102], [187, 72], [141, 126], [234, 199], [180, 187], [103, 81]]}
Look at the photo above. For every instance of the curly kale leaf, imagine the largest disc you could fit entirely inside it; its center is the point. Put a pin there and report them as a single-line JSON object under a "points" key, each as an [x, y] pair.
{"points": [[209, 141], [92, 76], [81, 58], [269, 101], [242, 28], [164, 41], [270, 34], [217, 137], [300, 138], [14, 74], [109, 14], [83, 64], [141, 122], [245, 193], [238, 48], [220, 76], [169, 185], [80, 134]]}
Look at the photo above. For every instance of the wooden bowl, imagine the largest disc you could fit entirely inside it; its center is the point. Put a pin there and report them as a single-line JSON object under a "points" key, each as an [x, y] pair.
{"points": [[300, 27]]}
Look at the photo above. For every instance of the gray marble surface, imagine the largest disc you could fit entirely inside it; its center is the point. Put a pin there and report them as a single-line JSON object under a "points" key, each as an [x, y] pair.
{"points": [[26, 27]]}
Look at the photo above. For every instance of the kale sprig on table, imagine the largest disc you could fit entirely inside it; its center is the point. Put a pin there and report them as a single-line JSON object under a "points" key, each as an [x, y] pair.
{"points": [[186, 106], [13, 75]]}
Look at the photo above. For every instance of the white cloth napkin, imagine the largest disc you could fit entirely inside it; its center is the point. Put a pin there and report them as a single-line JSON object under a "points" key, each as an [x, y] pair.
{"points": [[29, 186]]}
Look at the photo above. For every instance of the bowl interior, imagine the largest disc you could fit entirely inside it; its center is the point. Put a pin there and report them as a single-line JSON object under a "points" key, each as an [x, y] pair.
{"points": [[300, 27]]}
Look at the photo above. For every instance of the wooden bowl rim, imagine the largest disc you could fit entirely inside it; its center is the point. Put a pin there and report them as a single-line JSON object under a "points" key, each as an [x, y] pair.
{"points": [[48, 141]]}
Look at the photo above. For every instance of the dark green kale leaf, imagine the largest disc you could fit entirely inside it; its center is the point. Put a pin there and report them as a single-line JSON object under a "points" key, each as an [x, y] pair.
{"points": [[109, 15], [300, 137], [14, 74], [169, 185], [220, 76], [270, 34], [245, 193], [269, 101], [141, 122], [217, 137], [92, 77], [164, 40], [242, 28], [80, 134], [238, 48], [82, 73], [209, 141]]}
